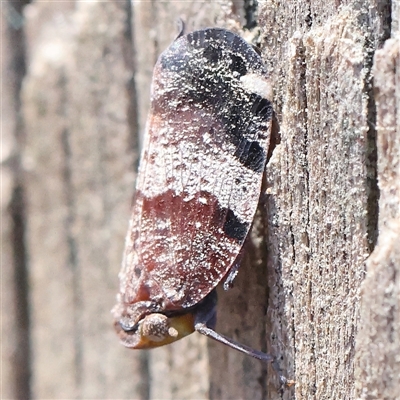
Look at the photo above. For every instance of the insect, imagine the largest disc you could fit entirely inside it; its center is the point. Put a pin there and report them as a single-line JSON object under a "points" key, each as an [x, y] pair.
{"points": [[198, 187]]}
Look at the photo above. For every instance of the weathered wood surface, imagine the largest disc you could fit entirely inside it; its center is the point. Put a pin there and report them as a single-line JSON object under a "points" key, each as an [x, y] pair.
{"points": [[15, 355], [306, 292], [377, 347]]}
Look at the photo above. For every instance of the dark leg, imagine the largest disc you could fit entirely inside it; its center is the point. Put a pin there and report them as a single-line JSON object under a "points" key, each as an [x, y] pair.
{"points": [[206, 313]]}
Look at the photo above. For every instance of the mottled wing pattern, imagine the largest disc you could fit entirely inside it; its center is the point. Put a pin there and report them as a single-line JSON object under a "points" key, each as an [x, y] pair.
{"points": [[200, 173]]}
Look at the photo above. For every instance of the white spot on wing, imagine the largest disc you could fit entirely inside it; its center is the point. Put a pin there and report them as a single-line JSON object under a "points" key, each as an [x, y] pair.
{"points": [[254, 83]]}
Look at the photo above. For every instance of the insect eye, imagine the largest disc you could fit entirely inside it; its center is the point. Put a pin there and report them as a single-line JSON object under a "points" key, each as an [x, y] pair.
{"points": [[128, 324]]}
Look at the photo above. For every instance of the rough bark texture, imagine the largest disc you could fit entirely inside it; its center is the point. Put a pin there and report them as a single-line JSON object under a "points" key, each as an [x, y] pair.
{"points": [[309, 291], [378, 359], [318, 205]]}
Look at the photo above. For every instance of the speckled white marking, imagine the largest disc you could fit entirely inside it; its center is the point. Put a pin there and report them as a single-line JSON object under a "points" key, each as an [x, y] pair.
{"points": [[254, 83]]}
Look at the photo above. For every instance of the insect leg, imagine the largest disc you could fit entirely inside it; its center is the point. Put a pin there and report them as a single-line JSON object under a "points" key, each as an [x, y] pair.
{"points": [[206, 313]]}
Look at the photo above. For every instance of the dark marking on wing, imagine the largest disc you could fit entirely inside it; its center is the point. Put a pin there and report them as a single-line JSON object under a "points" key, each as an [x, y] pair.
{"points": [[212, 54], [251, 155], [261, 107], [209, 64], [238, 65], [234, 228]]}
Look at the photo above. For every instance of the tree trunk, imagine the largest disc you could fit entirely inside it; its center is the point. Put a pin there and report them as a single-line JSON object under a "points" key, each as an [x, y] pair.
{"points": [[319, 286]]}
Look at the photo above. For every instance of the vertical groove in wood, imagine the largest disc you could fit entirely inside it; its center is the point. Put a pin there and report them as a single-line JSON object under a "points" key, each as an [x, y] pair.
{"points": [[378, 366], [15, 354], [22, 355]]}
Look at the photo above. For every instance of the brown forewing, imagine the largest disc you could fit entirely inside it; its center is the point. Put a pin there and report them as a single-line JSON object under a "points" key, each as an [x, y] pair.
{"points": [[200, 173]]}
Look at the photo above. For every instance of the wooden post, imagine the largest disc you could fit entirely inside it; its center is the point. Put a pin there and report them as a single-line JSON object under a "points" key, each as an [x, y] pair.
{"points": [[308, 290]]}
